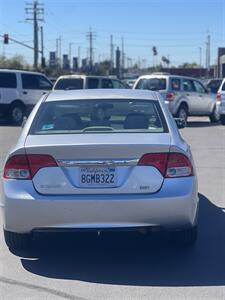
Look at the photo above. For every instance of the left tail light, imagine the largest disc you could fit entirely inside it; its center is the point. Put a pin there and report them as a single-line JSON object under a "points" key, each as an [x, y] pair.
{"points": [[26, 166]]}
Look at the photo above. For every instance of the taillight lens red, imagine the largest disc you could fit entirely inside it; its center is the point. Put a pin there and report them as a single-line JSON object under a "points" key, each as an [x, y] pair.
{"points": [[157, 160], [218, 98], [170, 96], [170, 165], [36, 162], [26, 166]]}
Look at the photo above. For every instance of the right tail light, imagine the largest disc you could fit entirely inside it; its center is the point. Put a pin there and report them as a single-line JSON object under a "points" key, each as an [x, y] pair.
{"points": [[170, 165]]}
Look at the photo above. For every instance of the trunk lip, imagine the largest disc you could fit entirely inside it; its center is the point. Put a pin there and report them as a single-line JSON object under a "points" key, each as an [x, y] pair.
{"points": [[111, 162]]}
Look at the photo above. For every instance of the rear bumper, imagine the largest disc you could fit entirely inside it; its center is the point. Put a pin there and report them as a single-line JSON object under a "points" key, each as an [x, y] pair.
{"points": [[174, 207], [221, 109]]}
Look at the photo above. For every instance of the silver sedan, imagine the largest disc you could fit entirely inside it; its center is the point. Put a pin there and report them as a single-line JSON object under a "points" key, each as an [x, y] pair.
{"points": [[99, 160]]}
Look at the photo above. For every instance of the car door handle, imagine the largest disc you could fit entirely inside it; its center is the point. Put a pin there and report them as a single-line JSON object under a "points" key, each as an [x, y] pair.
{"points": [[187, 94], [24, 92], [200, 96]]}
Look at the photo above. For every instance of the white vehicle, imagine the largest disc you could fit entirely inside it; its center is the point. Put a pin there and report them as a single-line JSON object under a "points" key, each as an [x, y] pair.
{"points": [[78, 82], [19, 92], [99, 160]]}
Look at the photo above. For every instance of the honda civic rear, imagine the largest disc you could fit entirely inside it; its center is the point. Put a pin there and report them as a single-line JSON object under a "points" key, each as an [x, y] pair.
{"points": [[99, 160]]}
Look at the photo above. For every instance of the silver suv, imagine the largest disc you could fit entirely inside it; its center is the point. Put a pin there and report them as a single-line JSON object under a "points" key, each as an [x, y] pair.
{"points": [[185, 96]]}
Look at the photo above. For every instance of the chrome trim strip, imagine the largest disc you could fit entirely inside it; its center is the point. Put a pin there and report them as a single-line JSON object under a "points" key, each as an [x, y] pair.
{"points": [[81, 163]]}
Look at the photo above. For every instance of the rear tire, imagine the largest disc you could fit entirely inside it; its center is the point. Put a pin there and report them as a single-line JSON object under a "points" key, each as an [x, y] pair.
{"points": [[186, 237], [16, 113], [182, 113], [214, 117], [222, 119], [17, 241]]}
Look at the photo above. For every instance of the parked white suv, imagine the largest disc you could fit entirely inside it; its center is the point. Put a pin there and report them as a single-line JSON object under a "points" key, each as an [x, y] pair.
{"points": [[185, 96], [19, 92], [78, 82]]}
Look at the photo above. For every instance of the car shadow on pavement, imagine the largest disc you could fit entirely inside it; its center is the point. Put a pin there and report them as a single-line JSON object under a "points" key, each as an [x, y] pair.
{"points": [[134, 260]]}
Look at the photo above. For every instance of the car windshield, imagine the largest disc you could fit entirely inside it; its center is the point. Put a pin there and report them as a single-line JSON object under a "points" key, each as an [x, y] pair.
{"points": [[69, 84], [95, 116], [153, 84]]}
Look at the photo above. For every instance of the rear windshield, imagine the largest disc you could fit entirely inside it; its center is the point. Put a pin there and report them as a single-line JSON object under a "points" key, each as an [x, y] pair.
{"points": [[214, 85], [153, 84], [95, 116], [69, 84]]}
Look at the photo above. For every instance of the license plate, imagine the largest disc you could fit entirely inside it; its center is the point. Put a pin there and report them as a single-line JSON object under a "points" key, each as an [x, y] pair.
{"points": [[98, 177]]}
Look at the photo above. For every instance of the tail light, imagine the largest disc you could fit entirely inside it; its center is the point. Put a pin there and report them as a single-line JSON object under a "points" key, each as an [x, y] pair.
{"points": [[170, 165], [26, 166], [218, 98], [170, 97], [178, 166], [157, 160]]}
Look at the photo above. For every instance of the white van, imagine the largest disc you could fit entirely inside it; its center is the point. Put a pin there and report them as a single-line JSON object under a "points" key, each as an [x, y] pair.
{"points": [[19, 92], [78, 82]]}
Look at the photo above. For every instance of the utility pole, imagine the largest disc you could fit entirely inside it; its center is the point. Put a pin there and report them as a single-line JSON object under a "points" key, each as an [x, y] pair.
{"points": [[111, 54], [122, 56], [91, 36], [208, 41], [79, 57], [35, 13], [70, 54], [58, 51], [200, 57], [42, 48]]}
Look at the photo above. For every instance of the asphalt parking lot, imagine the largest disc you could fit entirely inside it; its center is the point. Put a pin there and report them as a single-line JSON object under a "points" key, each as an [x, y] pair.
{"points": [[130, 266]]}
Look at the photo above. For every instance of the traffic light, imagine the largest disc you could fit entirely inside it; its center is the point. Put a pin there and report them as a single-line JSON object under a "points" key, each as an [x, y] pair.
{"points": [[6, 38], [154, 50]]}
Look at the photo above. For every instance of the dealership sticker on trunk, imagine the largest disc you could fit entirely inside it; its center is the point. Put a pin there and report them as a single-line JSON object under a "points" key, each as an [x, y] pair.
{"points": [[98, 177]]}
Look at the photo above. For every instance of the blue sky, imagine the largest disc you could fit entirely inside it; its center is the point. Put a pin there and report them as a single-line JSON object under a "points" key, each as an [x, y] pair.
{"points": [[177, 27]]}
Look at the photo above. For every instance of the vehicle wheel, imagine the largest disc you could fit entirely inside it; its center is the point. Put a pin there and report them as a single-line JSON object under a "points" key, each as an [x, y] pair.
{"points": [[214, 117], [222, 119], [185, 237], [16, 113], [183, 114], [16, 241]]}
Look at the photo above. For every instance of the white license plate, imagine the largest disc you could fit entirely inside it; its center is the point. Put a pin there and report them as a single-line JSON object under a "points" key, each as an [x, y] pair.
{"points": [[98, 176]]}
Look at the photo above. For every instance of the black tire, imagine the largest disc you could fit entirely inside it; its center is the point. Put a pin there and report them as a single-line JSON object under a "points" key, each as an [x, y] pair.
{"points": [[222, 119], [16, 113], [214, 117], [182, 113], [186, 237], [16, 241]]}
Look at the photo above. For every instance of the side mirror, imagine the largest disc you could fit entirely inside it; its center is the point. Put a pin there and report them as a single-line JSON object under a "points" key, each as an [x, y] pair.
{"points": [[180, 123], [24, 121]]}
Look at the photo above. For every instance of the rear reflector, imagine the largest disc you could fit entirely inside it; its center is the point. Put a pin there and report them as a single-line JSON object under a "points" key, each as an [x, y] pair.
{"points": [[170, 165], [26, 166]]}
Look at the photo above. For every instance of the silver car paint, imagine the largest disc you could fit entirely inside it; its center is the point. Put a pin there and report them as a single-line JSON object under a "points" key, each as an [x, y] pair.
{"points": [[198, 103], [174, 206]]}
